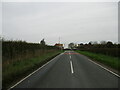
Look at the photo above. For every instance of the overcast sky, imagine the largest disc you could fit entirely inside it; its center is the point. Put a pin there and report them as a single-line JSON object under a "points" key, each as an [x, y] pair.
{"points": [[78, 22]]}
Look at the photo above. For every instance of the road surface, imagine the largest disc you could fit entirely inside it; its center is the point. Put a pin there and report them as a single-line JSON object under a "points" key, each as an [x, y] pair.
{"points": [[70, 70]]}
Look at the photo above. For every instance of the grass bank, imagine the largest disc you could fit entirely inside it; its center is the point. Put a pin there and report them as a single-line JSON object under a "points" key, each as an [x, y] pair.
{"points": [[19, 69], [113, 62]]}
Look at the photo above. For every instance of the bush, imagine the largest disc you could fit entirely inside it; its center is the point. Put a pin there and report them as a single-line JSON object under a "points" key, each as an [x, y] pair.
{"points": [[19, 50]]}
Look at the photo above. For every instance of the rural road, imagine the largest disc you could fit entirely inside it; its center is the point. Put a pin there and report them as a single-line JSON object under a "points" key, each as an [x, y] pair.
{"points": [[70, 70]]}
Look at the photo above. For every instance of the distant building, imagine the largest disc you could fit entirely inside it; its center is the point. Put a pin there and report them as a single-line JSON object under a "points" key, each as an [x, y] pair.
{"points": [[59, 45]]}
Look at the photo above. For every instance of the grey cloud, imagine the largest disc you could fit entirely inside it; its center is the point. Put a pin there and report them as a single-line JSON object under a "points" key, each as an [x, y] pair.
{"points": [[73, 22]]}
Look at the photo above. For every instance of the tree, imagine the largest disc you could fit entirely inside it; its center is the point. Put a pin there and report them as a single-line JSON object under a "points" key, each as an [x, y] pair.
{"points": [[71, 45], [103, 42], [81, 44], [95, 42], [109, 44], [42, 42], [90, 43]]}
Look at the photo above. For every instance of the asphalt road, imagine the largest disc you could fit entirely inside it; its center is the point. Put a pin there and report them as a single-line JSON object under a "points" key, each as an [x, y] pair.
{"points": [[70, 70]]}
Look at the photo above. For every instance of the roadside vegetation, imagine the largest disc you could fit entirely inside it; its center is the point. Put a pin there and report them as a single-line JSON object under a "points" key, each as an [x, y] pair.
{"points": [[106, 48], [110, 61], [21, 58], [104, 52]]}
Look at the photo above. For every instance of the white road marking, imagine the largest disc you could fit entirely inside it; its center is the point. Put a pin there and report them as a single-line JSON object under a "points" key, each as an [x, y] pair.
{"points": [[70, 57], [104, 68], [71, 67], [34, 72]]}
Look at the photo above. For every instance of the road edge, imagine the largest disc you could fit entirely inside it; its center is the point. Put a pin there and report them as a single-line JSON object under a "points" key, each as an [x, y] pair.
{"points": [[103, 66]]}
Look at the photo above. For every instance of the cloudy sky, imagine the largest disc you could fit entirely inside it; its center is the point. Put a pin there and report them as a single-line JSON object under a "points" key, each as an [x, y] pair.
{"points": [[78, 22]]}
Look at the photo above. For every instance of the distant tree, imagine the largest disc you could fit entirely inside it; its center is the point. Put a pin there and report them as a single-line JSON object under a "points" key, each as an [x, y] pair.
{"points": [[42, 42], [118, 45], [95, 42], [75, 45], [71, 45], [90, 43], [81, 44], [103, 42], [109, 44]]}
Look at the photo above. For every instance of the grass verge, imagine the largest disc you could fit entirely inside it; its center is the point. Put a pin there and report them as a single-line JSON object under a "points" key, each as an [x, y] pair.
{"points": [[12, 73], [113, 62]]}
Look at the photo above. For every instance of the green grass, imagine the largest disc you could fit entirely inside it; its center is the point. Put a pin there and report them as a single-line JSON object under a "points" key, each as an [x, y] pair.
{"points": [[113, 62], [17, 70]]}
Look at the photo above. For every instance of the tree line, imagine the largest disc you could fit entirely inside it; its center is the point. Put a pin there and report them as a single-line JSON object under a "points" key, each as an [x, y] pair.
{"points": [[106, 48], [19, 50]]}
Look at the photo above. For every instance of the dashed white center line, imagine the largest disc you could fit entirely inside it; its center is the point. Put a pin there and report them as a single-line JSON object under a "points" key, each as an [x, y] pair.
{"points": [[71, 67], [70, 57]]}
